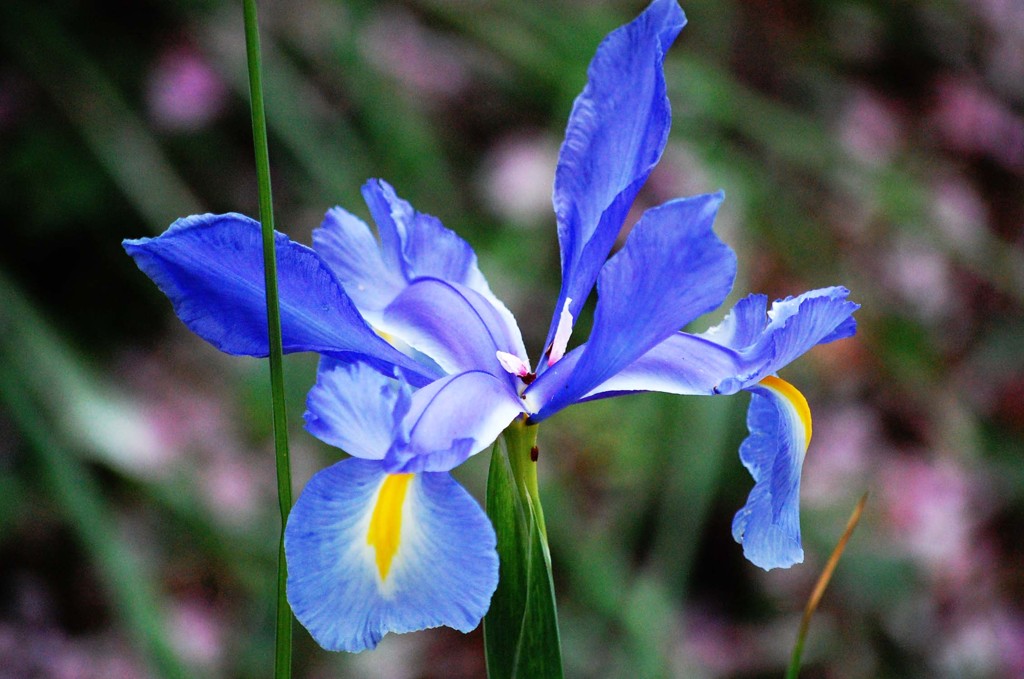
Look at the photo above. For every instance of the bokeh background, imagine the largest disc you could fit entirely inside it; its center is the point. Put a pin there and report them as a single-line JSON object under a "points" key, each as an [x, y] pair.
{"points": [[877, 144]]}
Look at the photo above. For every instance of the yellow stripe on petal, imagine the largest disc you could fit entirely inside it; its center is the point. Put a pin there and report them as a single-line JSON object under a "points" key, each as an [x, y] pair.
{"points": [[385, 533], [795, 399]]}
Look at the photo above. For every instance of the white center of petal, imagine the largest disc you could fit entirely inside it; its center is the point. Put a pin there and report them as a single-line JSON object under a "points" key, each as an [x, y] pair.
{"points": [[513, 364], [562, 332]]}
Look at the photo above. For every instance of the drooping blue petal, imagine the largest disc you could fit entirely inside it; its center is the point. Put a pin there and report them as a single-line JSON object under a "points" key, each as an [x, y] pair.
{"points": [[768, 526], [799, 323], [672, 269], [743, 325], [451, 419], [349, 587], [453, 325], [354, 407], [615, 136], [211, 268], [769, 342], [350, 249]]}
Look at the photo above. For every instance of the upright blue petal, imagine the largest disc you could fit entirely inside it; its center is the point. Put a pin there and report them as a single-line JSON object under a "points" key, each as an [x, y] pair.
{"points": [[354, 407], [768, 526], [672, 269], [454, 325], [451, 419], [616, 133], [417, 244], [413, 245], [370, 553], [211, 268], [350, 249]]}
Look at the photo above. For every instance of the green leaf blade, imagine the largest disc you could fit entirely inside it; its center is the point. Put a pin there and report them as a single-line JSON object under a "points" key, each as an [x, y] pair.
{"points": [[521, 628]]}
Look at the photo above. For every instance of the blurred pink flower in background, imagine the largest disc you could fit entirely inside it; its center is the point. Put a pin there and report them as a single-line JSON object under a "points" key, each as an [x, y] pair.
{"points": [[928, 506], [1005, 59], [197, 632], [420, 59], [517, 176], [1010, 633], [920, 274], [1006, 15], [844, 439], [870, 127], [717, 647], [986, 643], [970, 119], [958, 212], [679, 172], [48, 652], [200, 435], [234, 487], [184, 93]]}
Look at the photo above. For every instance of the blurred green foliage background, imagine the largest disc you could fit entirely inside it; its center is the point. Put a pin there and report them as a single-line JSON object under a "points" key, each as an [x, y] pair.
{"points": [[877, 144]]}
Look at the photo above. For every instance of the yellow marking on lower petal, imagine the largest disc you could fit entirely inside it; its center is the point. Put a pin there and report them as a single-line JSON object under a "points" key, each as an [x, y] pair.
{"points": [[385, 532], [795, 398]]}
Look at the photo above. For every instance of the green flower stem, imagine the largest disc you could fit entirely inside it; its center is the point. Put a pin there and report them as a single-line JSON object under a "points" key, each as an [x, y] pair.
{"points": [[520, 441], [283, 650], [521, 628]]}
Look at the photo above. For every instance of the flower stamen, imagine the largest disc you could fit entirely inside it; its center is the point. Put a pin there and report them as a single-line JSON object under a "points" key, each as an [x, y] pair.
{"points": [[513, 364]]}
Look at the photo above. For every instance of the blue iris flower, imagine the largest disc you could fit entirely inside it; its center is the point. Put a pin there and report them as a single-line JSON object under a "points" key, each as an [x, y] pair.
{"points": [[423, 365]]}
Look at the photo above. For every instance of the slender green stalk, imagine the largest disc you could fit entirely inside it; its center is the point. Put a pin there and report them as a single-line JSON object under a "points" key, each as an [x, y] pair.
{"points": [[819, 588], [522, 441], [283, 650]]}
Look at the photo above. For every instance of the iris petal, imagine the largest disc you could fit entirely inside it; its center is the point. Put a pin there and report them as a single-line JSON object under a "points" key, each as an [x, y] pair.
{"points": [[348, 246], [672, 269], [453, 325], [211, 268], [768, 526], [682, 364], [799, 323], [353, 407], [749, 344], [417, 245], [429, 558], [791, 327], [451, 419], [743, 325], [736, 353], [616, 133]]}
